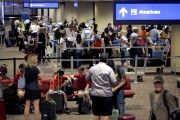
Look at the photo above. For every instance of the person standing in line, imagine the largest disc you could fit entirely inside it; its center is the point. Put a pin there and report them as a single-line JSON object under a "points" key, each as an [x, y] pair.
{"points": [[103, 78], [2, 32], [79, 50], [41, 44], [158, 109], [32, 93], [118, 90]]}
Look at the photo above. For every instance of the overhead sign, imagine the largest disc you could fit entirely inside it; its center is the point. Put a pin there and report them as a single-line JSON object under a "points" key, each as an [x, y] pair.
{"points": [[41, 5], [147, 11]]}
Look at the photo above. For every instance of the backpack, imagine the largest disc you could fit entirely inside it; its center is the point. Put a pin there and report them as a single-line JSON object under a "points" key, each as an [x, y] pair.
{"points": [[84, 106], [68, 88], [118, 74], [175, 115]]}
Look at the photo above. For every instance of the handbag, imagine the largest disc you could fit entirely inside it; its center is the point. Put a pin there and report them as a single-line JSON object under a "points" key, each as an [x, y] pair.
{"points": [[21, 82]]}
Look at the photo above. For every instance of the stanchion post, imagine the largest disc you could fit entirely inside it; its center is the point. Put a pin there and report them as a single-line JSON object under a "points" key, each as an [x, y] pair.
{"points": [[72, 61], [60, 60], [14, 62], [57, 54], [136, 60]]}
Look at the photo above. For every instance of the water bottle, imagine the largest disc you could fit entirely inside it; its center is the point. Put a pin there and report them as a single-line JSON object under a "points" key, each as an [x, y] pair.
{"points": [[32, 109]]}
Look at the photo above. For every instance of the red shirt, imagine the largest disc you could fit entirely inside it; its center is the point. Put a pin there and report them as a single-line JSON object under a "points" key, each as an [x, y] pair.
{"points": [[55, 80], [16, 77], [82, 81]]}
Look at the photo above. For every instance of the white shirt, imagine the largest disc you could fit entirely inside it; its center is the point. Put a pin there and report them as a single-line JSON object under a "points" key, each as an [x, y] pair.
{"points": [[63, 43], [16, 22], [78, 46], [71, 35], [33, 28], [124, 41]]}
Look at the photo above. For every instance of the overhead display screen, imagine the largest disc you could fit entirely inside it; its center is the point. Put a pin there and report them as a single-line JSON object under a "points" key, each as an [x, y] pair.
{"points": [[41, 5], [146, 12]]}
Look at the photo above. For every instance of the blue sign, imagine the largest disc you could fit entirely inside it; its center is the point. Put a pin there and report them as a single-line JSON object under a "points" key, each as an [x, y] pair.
{"points": [[41, 5], [147, 11]]}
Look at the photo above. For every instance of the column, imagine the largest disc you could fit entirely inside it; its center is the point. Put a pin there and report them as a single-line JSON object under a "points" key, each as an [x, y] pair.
{"points": [[175, 49]]}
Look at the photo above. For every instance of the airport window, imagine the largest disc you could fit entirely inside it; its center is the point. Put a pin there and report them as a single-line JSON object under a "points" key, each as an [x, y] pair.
{"points": [[15, 8]]}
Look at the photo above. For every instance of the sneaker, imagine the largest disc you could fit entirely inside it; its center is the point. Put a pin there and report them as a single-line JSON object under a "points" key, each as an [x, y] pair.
{"points": [[66, 110]]}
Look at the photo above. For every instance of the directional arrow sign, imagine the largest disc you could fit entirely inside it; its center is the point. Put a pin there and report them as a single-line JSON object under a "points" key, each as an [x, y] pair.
{"points": [[123, 11]]}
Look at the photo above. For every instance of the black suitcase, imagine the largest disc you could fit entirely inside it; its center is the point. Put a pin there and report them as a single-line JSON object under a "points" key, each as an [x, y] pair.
{"points": [[48, 110], [140, 62], [58, 98], [8, 42]]}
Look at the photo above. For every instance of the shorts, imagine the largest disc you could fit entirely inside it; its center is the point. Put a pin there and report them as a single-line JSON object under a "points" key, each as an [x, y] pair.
{"points": [[102, 106]]}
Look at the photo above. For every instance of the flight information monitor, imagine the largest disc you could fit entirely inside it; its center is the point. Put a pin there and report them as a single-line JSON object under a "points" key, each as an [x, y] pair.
{"points": [[41, 5]]}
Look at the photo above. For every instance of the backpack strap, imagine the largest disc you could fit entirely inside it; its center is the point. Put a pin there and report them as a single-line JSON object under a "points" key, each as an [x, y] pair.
{"points": [[165, 102]]}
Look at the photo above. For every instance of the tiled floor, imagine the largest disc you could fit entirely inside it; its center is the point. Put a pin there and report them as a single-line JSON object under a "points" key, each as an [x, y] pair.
{"points": [[138, 105]]}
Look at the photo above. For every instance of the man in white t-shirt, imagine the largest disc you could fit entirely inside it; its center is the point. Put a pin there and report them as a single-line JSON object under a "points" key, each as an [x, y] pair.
{"points": [[71, 35], [63, 49], [133, 42]]}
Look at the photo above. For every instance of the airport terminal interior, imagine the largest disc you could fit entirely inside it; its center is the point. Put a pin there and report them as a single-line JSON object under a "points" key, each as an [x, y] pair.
{"points": [[142, 37]]}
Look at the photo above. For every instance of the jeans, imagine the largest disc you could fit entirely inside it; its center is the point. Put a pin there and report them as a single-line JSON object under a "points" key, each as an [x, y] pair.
{"points": [[119, 101], [78, 56], [123, 56]]}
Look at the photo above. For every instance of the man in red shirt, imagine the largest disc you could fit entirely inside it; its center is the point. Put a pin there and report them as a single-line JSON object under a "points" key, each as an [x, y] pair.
{"points": [[83, 85]]}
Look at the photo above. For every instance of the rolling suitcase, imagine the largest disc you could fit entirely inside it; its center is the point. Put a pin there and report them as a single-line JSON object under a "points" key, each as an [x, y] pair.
{"points": [[48, 110], [2, 110], [127, 117], [8, 42], [58, 98]]}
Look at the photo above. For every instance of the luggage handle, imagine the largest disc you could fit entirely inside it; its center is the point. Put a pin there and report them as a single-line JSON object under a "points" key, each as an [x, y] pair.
{"points": [[53, 81], [58, 82]]}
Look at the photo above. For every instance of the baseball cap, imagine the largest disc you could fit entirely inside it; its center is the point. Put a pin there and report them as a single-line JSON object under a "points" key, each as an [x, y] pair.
{"points": [[158, 79], [135, 28], [96, 37], [60, 72]]}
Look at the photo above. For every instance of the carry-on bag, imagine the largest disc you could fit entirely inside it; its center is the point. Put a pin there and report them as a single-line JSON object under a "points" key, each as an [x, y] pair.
{"points": [[58, 98], [48, 110], [115, 114], [84, 106]]}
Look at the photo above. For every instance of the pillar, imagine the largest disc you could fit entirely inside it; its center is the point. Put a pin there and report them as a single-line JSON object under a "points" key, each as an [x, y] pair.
{"points": [[175, 49]]}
